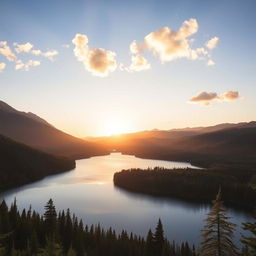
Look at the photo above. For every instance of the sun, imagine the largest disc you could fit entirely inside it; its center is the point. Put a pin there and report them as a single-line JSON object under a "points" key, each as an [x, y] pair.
{"points": [[115, 126]]}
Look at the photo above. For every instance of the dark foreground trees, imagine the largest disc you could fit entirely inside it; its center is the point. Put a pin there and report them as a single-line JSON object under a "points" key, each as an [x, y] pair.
{"points": [[28, 233], [250, 241], [218, 232]]}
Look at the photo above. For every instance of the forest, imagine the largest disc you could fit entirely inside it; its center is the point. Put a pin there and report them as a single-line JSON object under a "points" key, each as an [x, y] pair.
{"points": [[192, 184], [27, 233]]}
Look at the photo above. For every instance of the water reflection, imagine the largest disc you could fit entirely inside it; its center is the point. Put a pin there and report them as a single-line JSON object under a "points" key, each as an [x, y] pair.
{"points": [[89, 192]]}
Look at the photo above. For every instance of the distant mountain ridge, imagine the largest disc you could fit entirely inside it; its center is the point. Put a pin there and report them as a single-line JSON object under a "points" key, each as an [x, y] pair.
{"points": [[5, 107], [34, 131], [201, 145], [217, 127]]}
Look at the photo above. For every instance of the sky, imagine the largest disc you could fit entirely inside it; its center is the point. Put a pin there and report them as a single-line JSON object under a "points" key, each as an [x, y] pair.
{"points": [[94, 68]]}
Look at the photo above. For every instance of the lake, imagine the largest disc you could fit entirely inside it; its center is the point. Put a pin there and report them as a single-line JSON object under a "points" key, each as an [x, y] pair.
{"points": [[89, 192]]}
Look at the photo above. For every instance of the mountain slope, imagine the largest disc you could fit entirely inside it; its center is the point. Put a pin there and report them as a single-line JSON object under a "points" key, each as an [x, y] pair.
{"points": [[32, 130], [203, 146], [20, 164]]}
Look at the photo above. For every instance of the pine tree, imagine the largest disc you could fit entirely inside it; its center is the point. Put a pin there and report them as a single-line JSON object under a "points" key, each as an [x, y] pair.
{"points": [[218, 232], [150, 244], [50, 217], [159, 238], [250, 242]]}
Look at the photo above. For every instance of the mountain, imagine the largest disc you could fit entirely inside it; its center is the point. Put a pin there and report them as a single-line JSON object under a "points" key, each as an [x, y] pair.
{"points": [[202, 145], [34, 131], [21, 164]]}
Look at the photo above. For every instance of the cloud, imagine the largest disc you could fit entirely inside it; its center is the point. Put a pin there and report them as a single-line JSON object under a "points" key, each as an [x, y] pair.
{"points": [[27, 48], [169, 45], [26, 66], [50, 54], [210, 63], [139, 63], [36, 52], [212, 43], [6, 51], [98, 61], [206, 97], [231, 95], [2, 66], [23, 47]]}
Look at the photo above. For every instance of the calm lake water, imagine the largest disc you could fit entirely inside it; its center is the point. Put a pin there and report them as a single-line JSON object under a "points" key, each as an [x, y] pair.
{"points": [[89, 192]]}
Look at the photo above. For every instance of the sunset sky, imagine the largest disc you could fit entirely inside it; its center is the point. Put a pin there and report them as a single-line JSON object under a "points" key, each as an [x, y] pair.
{"points": [[100, 67]]}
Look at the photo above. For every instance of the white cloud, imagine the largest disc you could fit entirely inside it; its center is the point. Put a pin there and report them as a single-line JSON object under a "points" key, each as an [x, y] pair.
{"points": [[98, 61], [139, 63], [169, 45], [27, 48], [212, 43], [36, 52], [210, 63], [2, 66], [6, 51], [23, 47], [206, 97], [50, 54], [26, 66]]}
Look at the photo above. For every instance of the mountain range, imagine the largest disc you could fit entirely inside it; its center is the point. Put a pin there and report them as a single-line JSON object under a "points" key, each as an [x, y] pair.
{"points": [[31, 137], [205, 146], [32, 130]]}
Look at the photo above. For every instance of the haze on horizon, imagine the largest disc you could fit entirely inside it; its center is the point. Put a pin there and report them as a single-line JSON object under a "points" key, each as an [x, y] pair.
{"points": [[95, 68]]}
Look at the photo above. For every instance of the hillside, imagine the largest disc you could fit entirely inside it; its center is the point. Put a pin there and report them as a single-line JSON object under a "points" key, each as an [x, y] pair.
{"points": [[34, 131], [20, 164], [203, 146]]}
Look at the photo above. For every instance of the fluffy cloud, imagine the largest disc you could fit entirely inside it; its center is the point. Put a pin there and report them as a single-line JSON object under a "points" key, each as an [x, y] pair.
{"points": [[26, 66], [212, 43], [170, 45], [2, 66], [6, 51], [206, 97], [23, 47], [98, 61], [139, 63]]}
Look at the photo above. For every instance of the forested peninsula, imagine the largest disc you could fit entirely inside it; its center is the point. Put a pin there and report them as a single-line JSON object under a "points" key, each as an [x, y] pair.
{"points": [[192, 184]]}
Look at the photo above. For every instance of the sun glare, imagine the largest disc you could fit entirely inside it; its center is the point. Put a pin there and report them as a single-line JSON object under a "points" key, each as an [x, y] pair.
{"points": [[116, 126]]}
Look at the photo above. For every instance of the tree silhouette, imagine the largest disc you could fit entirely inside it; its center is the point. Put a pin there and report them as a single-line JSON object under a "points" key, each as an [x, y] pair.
{"points": [[50, 217], [218, 232], [159, 238], [250, 242]]}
